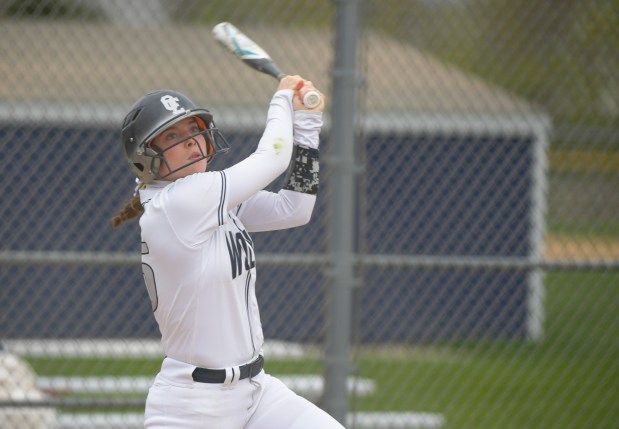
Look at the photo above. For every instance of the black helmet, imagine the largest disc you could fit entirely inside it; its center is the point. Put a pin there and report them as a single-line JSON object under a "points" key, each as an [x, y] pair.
{"points": [[151, 115]]}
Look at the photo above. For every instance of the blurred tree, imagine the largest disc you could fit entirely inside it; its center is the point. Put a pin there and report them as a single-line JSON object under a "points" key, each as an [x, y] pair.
{"points": [[46, 9], [562, 55]]}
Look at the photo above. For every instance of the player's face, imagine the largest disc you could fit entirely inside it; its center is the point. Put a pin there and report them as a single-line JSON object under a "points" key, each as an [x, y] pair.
{"points": [[190, 152]]}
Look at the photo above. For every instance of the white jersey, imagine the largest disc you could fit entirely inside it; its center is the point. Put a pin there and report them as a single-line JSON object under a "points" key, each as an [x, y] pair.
{"points": [[197, 256]]}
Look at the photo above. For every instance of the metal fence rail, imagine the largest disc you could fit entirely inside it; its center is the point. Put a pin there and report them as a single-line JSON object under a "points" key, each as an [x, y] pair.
{"points": [[360, 261]]}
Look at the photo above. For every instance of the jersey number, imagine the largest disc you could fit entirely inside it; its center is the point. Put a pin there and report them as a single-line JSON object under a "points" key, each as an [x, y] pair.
{"points": [[149, 280]]}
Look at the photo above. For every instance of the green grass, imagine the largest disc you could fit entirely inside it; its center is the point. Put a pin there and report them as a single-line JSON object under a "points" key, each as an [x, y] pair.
{"points": [[80, 367], [568, 380]]}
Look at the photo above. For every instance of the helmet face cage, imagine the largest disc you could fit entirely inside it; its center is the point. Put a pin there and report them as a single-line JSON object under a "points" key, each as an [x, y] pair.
{"points": [[153, 114], [215, 143]]}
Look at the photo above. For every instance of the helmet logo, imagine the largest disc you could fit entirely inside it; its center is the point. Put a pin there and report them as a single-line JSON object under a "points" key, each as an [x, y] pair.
{"points": [[171, 103]]}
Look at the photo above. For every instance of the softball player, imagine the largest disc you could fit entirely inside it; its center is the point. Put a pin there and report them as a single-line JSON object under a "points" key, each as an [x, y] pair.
{"points": [[198, 257]]}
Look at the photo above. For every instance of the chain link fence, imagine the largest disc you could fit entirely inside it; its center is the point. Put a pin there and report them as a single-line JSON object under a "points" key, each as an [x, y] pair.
{"points": [[486, 207]]}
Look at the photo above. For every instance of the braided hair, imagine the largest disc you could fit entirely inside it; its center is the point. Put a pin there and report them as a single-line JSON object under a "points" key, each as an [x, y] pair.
{"points": [[132, 210]]}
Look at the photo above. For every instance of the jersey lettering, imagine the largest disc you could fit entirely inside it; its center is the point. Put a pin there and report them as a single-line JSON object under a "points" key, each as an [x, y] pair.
{"points": [[241, 250]]}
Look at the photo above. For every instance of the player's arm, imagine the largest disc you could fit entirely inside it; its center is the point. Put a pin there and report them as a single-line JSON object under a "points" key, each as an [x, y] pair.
{"points": [[269, 211], [293, 205], [272, 156]]}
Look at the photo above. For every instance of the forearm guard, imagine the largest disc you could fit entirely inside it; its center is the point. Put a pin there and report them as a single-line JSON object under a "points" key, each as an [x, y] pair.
{"points": [[302, 173]]}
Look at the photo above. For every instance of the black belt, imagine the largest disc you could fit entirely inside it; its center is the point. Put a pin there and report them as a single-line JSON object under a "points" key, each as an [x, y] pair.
{"points": [[218, 376]]}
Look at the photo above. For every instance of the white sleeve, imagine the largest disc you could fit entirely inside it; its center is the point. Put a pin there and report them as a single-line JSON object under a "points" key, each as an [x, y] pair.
{"points": [[307, 125], [271, 157], [268, 211]]}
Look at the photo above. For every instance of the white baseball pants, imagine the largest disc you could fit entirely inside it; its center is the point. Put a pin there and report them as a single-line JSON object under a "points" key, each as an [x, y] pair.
{"points": [[176, 401]]}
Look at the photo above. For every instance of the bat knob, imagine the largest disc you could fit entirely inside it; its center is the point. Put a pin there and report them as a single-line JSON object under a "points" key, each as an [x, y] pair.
{"points": [[311, 100]]}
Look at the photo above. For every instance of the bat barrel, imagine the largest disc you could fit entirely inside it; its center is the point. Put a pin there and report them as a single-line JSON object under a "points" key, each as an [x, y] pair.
{"points": [[254, 56]]}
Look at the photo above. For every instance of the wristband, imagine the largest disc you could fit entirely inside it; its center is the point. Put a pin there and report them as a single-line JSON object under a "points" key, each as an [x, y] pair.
{"points": [[302, 173]]}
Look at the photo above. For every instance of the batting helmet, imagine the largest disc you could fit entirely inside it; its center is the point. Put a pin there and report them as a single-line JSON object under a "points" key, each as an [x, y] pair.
{"points": [[151, 115]]}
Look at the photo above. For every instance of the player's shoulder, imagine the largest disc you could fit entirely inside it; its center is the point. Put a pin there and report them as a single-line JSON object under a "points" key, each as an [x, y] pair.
{"points": [[194, 196], [199, 183], [197, 194]]}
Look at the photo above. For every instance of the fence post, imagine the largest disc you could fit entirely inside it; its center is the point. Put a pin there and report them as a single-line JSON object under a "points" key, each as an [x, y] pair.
{"points": [[343, 210]]}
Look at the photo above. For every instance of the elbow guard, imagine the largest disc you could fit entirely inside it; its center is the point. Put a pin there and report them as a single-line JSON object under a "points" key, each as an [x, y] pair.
{"points": [[302, 173]]}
